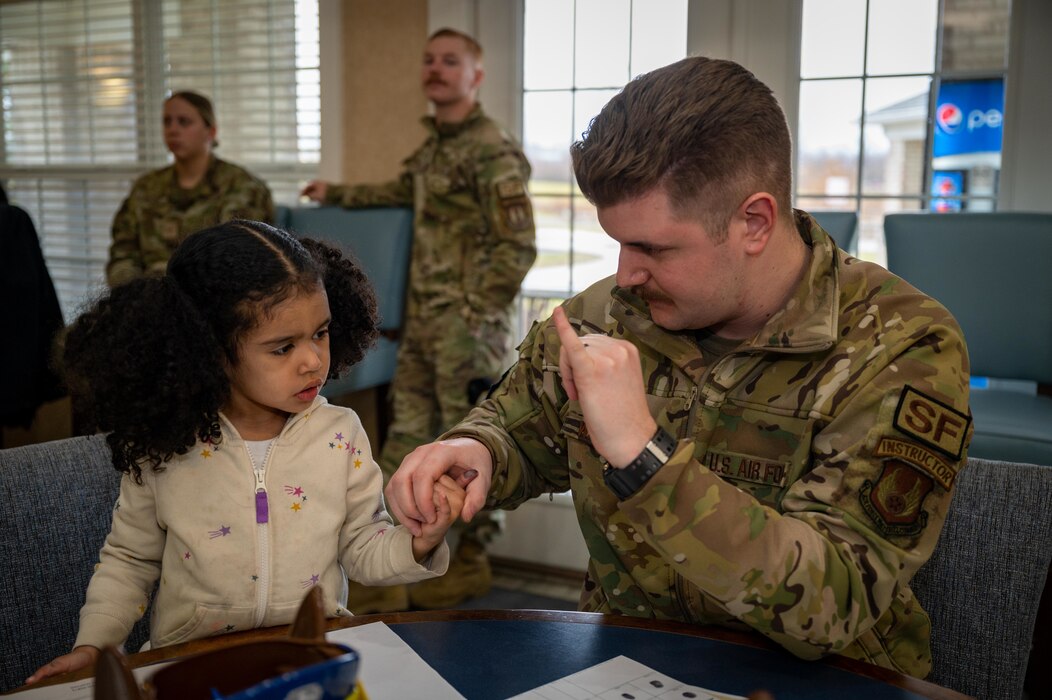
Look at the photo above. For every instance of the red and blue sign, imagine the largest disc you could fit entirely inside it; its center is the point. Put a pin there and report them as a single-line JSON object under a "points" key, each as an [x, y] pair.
{"points": [[947, 186], [969, 115]]}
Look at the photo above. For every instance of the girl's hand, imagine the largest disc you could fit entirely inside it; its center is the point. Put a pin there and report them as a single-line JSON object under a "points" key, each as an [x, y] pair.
{"points": [[449, 501], [80, 657]]}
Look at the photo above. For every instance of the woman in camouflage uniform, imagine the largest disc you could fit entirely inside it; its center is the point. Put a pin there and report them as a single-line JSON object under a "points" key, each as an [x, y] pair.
{"points": [[198, 190]]}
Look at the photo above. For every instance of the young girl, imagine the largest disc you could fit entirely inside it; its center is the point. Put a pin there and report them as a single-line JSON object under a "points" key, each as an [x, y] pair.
{"points": [[243, 487]]}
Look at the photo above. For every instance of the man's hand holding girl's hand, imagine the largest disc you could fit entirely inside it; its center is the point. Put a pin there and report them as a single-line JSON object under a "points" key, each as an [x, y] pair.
{"points": [[448, 498], [410, 491]]}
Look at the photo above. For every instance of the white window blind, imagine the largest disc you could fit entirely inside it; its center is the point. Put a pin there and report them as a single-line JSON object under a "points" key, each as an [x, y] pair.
{"points": [[82, 85]]}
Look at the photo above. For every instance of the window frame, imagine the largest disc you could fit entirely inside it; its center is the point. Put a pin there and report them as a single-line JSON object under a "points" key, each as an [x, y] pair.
{"points": [[72, 202]]}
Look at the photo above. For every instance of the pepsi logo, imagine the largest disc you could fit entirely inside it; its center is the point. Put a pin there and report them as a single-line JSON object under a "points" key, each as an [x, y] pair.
{"points": [[949, 117]]}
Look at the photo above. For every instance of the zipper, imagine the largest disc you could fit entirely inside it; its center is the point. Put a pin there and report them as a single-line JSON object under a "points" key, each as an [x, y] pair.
{"points": [[691, 399], [262, 534], [690, 412]]}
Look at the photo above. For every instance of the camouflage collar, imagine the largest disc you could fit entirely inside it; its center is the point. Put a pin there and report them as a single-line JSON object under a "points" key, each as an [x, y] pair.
{"points": [[808, 323], [455, 128], [207, 184]]}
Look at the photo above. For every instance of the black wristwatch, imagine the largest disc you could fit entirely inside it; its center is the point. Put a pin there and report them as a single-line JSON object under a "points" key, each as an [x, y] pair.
{"points": [[625, 482]]}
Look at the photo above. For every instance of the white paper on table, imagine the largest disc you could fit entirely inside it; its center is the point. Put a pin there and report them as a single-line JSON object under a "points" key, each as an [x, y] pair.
{"points": [[83, 689], [617, 678], [390, 669]]}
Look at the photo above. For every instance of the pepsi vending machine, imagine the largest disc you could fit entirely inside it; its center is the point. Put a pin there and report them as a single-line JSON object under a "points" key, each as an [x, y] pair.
{"points": [[969, 116]]}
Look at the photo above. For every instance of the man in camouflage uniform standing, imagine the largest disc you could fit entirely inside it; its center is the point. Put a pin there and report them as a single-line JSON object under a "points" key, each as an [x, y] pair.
{"points": [[473, 244], [198, 190], [758, 430]]}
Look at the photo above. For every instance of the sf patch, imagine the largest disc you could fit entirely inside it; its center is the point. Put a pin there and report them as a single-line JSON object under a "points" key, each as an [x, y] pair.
{"points": [[932, 422], [515, 208], [894, 501]]}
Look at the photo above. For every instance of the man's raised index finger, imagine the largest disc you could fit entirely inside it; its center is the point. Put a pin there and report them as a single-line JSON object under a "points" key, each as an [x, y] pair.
{"points": [[567, 335]]}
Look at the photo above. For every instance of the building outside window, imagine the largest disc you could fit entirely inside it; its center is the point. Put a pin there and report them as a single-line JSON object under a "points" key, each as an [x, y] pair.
{"points": [[901, 105], [82, 85], [577, 55]]}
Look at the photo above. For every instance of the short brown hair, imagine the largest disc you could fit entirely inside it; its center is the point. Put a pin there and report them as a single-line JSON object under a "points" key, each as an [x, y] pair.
{"points": [[706, 130], [473, 47], [202, 104]]}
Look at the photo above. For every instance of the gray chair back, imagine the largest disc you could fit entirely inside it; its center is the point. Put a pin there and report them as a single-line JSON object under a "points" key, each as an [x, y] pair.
{"points": [[842, 226], [991, 270], [56, 504], [982, 585]]}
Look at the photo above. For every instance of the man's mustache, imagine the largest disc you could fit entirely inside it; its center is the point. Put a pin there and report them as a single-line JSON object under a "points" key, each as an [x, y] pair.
{"points": [[648, 295]]}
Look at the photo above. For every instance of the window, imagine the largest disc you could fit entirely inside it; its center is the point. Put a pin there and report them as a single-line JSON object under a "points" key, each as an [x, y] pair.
{"points": [[577, 54], [81, 91], [872, 75]]}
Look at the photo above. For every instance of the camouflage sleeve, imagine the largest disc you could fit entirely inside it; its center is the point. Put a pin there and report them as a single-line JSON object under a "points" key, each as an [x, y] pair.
{"points": [[396, 193], [500, 181], [125, 260], [262, 206], [519, 424], [247, 197], [851, 532]]}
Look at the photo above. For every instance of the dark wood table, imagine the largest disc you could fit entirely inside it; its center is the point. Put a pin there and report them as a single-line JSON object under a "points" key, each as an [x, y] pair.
{"points": [[499, 653]]}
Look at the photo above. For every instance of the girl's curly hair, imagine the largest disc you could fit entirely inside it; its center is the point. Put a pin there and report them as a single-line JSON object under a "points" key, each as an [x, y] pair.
{"points": [[148, 361]]}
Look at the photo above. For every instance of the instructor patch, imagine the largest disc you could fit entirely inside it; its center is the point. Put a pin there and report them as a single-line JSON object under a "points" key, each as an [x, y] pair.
{"points": [[932, 422], [922, 458]]}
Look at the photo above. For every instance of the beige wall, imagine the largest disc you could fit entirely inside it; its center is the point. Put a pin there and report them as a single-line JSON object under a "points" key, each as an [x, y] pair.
{"points": [[382, 101]]}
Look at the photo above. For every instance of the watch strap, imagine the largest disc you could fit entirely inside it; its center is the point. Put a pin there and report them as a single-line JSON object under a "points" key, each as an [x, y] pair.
{"points": [[627, 481]]}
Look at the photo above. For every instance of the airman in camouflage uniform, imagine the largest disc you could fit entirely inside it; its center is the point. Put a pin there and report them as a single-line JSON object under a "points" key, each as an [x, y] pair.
{"points": [[473, 244], [814, 454], [158, 214], [811, 476]]}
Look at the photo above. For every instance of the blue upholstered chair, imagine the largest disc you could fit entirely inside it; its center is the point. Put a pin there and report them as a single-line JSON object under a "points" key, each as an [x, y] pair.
{"points": [[381, 240], [982, 586], [56, 501], [991, 270], [842, 226]]}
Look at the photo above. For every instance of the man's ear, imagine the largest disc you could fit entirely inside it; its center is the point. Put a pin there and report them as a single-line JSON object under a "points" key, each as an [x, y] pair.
{"points": [[479, 75], [758, 213]]}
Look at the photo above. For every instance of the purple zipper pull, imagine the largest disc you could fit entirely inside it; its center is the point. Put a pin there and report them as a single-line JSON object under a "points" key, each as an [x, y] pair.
{"points": [[262, 508]]}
